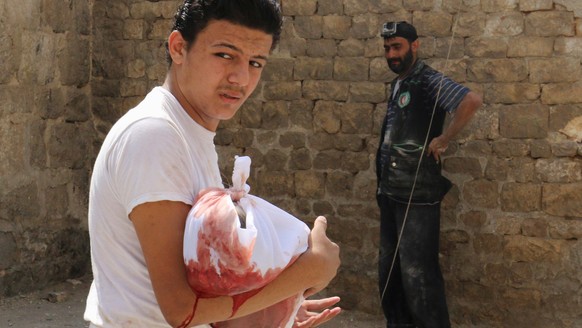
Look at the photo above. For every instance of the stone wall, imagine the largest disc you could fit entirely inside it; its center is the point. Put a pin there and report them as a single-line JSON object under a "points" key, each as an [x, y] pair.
{"points": [[511, 229], [46, 141]]}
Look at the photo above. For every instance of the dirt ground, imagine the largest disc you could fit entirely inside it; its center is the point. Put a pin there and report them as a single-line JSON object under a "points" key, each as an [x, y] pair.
{"points": [[62, 305]]}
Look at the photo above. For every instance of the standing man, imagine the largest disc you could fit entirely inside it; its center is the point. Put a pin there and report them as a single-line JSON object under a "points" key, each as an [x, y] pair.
{"points": [[410, 184], [156, 159]]}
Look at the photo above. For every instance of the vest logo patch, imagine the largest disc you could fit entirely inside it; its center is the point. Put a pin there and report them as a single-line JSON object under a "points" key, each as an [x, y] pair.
{"points": [[404, 99]]}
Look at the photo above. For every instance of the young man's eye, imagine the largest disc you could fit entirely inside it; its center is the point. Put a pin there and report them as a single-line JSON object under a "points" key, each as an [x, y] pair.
{"points": [[256, 64], [224, 55]]}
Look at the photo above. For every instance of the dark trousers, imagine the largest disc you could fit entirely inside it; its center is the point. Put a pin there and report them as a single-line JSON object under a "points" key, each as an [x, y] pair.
{"points": [[415, 295]]}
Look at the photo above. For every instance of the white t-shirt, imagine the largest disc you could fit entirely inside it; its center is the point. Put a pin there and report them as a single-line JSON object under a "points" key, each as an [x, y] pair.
{"points": [[154, 152]]}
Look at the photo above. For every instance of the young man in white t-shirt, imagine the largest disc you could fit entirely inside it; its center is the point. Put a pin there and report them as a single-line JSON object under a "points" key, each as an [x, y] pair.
{"points": [[160, 154]]}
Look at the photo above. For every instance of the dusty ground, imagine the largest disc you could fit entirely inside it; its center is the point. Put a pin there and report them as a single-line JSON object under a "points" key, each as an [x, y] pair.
{"points": [[62, 305]]}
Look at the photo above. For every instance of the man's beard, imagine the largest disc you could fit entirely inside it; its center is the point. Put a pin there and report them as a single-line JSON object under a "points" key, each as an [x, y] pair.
{"points": [[401, 65]]}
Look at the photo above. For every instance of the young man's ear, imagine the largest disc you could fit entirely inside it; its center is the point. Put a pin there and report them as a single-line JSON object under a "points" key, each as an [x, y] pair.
{"points": [[177, 47]]}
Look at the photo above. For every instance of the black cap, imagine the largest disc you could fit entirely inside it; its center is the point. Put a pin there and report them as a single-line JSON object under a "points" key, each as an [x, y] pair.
{"points": [[402, 29]]}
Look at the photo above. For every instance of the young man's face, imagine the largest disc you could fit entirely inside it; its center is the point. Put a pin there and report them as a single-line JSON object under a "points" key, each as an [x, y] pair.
{"points": [[400, 54], [215, 76]]}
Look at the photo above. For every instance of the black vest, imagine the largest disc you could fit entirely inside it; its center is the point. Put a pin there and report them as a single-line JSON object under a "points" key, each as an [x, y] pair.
{"points": [[412, 125]]}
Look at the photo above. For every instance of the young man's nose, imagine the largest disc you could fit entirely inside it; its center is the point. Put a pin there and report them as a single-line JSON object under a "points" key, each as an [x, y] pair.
{"points": [[239, 74]]}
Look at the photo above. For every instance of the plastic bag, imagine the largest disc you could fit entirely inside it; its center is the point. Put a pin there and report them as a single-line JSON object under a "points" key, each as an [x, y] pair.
{"points": [[236, 243]]}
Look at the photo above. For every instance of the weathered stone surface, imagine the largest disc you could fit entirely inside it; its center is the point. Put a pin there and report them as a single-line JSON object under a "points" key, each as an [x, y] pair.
{"points": [[549, 23], [562, 93], [563, 199], [521, 197], [481, 193], [524, 121], [558, 170], [554, 70]]}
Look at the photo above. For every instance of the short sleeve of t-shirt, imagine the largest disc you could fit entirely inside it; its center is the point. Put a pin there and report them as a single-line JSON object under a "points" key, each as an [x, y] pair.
{"points": [[445, 91], [150, 163]]}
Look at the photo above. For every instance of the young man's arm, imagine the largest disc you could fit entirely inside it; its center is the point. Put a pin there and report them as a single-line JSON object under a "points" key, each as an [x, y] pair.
{"points": [[463, 114], [160, 229]]}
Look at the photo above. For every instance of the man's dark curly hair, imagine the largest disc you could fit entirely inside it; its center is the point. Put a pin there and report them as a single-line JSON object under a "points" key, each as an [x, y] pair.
{"points": [[194, 15]]}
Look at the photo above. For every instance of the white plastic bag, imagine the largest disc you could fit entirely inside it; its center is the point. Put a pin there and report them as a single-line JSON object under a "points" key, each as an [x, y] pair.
{"points": [[228, 254]]}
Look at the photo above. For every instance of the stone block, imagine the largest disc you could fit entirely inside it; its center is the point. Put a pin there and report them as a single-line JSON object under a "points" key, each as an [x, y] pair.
{"points": [[300, 159], [292, 139], [278, 69], [463, 165], [326, 117], [351, 48], [417, 5], [355, 162], [521, 197], [488, 243], [474, 219], [309, 184], [556, 70], [336, 27], [535, 5], [512, 93], [481, 193], [550, 23], [565, 148], [531, 46], [326, 90], [504, 24], [282, 91], [300, 113], [443, 48], [298, 7], [355, 7], [350, 142], [339, 184], [133, 87], [530, 249], [470, 24], [152, 10], [243, 138], [21, 203], [37, 48], [307, 68], [309, 27], [510, 148], [560, 116], [322, 141], [540, 149], [330, 7], [133, 29], [491, 6], [356, 118], [276, 160], [562, 93], [379, 71], [351, 69], [477, 148], [10, 53], [325, 48], [371, 92], [274, 183], [486, 47], [563, 199], [497, 70], [8, 250], [365, 26], [275, 115], [433, 23], [524, 121], [328, 160], [560, 170], [160, 29], [63, 138], [535, 228]]}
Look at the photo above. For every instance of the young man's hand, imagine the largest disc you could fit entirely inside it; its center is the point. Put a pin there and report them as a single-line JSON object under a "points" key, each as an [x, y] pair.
{"points": [[309, 314]]}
